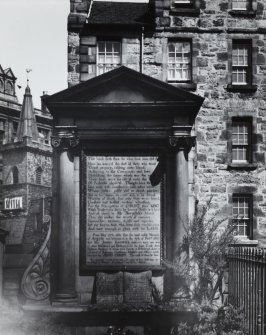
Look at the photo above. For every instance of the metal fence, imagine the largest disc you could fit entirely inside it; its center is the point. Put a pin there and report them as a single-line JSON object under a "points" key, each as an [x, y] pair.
{"points": [[247, 286]]}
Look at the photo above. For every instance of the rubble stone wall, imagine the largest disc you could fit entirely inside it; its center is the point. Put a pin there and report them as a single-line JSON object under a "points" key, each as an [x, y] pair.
{"points": [[211, 26]]}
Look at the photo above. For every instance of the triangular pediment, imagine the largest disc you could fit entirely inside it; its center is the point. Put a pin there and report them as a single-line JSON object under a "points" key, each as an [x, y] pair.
{"points": [[123, 85]]}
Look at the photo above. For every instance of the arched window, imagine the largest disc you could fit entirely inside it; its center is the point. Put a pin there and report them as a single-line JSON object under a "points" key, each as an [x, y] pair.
{"points": [[39, 175], [1, 85], [14, 175], [9, 88]]}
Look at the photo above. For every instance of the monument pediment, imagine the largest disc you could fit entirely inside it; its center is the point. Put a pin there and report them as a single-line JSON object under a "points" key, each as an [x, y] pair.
{"points": [[123, 86]]}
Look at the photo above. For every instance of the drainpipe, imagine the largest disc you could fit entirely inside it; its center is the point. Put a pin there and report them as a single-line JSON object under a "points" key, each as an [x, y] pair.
{"points": [[89, 11], [141, 50]]}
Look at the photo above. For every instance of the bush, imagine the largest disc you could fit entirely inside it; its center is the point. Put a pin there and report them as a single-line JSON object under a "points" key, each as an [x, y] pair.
{"points": [[214, 321], [200, 264]]}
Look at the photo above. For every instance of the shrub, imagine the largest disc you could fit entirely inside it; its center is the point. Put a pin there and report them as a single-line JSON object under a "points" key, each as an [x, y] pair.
{"points": [[200, 264]]}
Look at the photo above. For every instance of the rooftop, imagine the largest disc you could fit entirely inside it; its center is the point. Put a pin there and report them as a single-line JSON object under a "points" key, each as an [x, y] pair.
{"points": [[119, 13]]}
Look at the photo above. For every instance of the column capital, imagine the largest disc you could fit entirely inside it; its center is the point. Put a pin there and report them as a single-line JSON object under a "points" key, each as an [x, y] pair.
{"points": [[182, 142], [65, 142]]}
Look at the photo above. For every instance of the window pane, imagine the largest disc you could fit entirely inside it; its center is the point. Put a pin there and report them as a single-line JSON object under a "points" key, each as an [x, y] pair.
{"points": [[171, 48], [186, 47], [179, 61], [241, 209], [101, 47], [109, 56], [44, 135], [234, 77], [108, 47], [239, 76], [184, 2], [117, 47], [240, 4], [240, 63], [240, 141]]}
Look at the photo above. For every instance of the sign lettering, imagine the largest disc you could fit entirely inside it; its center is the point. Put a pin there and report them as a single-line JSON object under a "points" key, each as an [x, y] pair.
{"points": [[123, 225], [13, 203]]}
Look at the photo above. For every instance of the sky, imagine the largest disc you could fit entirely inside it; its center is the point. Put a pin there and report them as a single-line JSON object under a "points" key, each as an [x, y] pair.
{"points": [[33, 35]]}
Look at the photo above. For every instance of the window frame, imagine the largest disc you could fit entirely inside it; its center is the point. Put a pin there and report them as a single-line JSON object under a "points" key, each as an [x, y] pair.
{"points": [[15, 175], [251, 120], [14, 129], [247, 7], [250, 11], [248, 145], [9, 88], [184, 3], [190, 64], [38, 175], [249, 225], [240, 87], [2, 85], [187, 8], [2, 130], [45, 140], [97, 54], [236, 46]]}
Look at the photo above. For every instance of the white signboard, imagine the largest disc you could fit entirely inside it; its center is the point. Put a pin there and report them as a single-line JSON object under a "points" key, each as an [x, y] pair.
{"points": [[13, 203]]}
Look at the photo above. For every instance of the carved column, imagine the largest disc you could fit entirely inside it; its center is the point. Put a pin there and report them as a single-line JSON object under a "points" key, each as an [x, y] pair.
{"points": [[181, 147], [65, 242]]}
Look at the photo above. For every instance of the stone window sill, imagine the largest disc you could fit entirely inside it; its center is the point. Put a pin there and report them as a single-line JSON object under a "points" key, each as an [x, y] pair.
{"points": [[244, 241], [242, 166], [185, 11], [244, 13], [241, 88], [185, 86]]}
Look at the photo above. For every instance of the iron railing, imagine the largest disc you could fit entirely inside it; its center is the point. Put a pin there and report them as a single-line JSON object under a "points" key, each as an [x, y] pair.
{"points": [[247, 286]]}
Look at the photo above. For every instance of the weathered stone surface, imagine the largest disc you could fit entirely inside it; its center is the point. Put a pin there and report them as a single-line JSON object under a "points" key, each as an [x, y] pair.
{"points": [[138, 287], [219, 66], [211, 58], [109, 288], [202, 62]]}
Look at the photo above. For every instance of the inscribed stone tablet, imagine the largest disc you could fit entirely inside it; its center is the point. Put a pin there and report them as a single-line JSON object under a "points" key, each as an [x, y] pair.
{"points": [[137, 287], [123, 211], [109, 288]]}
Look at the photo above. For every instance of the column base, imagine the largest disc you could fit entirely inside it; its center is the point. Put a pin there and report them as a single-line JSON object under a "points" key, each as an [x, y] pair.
{"points": [[65, 297]]}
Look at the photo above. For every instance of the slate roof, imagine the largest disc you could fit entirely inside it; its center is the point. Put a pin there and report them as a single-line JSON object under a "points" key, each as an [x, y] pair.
{"points": [[121, 13]]}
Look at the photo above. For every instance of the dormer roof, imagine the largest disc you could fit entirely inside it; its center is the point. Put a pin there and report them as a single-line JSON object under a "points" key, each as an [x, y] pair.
{"points": [[120, 13], [9, 73]]}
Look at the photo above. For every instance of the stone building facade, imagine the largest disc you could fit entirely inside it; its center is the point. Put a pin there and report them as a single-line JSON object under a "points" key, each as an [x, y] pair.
{"points": [[182, 81], [179, 81], [213, 32], [26, 172]]}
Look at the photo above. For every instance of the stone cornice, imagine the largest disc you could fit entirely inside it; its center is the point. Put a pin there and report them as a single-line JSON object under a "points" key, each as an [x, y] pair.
{"points": [[198, 30], [13, 147]]}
